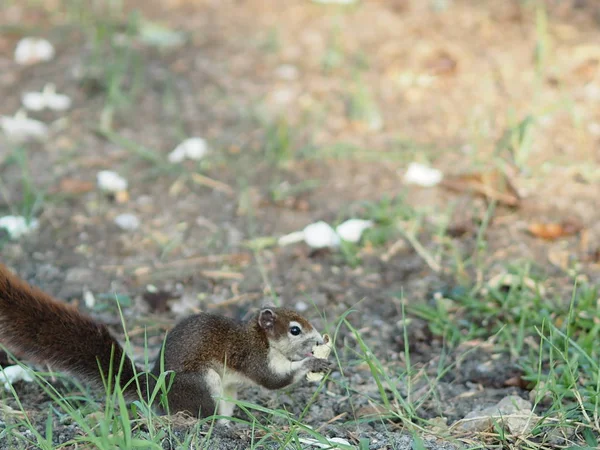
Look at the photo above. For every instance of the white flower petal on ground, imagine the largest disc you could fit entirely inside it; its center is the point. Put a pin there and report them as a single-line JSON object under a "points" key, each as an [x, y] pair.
{"points": [[34, 101], [177, 155], [193, 148], [20, 128], [48, 98], [54, 101], [17, 226], [127, 222], [11, 374], [31, 50], [110, 181], [351, 230], [321, 235], [422, 175]]}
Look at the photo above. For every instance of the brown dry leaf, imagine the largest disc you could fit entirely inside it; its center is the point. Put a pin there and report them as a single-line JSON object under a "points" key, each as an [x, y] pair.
{"points": [[553, 231], [75, 186], [441, 63], [493, 185]]}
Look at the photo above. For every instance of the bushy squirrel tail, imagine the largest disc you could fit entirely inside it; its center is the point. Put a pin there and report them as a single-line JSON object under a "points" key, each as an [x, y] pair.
{"points": [[47, 331]]}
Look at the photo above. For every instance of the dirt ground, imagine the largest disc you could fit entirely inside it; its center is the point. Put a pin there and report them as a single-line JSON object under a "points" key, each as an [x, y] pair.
{"points": [[447, 85]]}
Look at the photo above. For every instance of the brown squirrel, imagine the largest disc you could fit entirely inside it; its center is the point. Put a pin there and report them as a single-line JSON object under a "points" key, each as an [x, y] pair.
{"points": [[210, 355]]}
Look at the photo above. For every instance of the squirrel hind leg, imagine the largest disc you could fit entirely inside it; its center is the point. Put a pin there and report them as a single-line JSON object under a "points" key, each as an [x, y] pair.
{"points": [[191, 393], [227, 404]]}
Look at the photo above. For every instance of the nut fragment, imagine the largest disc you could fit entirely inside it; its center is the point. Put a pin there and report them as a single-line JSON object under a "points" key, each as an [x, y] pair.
{"points": [[321, 352]]}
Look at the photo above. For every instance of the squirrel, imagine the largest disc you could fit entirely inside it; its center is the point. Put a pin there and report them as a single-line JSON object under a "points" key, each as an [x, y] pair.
{"points": [[209, 355]]}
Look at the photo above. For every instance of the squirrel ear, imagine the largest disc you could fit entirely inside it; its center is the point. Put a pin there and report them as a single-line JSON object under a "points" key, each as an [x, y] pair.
{"points": [[266, 319]]}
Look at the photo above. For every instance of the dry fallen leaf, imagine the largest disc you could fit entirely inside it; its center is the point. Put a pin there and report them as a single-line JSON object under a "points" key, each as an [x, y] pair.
{"points": [[75, 186], [441, 63], [552, 231], [493, 185]]}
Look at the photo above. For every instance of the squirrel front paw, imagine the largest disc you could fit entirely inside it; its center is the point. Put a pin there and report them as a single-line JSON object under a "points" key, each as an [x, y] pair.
{"points": [[317, 365]]}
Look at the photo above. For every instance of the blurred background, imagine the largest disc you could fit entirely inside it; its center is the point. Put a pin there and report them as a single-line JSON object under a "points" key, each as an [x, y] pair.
{"points": [[162, 149]]}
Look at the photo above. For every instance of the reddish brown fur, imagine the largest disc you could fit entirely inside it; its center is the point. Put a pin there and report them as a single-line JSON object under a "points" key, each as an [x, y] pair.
{"points": [[49, 331], [52, 332], [284, 317]]}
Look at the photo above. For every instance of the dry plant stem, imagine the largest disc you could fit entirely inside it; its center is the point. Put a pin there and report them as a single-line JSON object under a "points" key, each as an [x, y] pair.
{"points": [[214, 184], [432, 263]]}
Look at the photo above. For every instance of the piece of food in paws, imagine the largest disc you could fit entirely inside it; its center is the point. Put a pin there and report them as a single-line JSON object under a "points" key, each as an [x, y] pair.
{"points": [[321, 352]]}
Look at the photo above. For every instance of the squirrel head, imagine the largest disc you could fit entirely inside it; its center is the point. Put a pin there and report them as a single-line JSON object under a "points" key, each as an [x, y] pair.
{"points": [[288, 332]]}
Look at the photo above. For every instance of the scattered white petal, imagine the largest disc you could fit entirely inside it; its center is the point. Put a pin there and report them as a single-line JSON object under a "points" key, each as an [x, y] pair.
{"points": [[89, 299], [110, 181], [287, 72], [193, 148], [351, 230], [11, 374], [34, 101], [422, 175], [127, 222], [321, 235], [32, 50], [48, 98], [17, 226], [20, 128], [177, 155], [292, 238], [58, 102]]}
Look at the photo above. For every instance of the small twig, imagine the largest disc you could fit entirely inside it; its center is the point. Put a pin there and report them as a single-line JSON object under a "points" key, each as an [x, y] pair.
{"points": [[212, 183], [433, 264], [222, 275], [333, 419], [395, 248]]}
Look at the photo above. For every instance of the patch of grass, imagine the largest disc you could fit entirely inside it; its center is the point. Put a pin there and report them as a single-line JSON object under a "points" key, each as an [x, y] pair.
{"points": [[518, 140], [386, 214], [553, 341], [362, 107], [116, 423], [400, 150], [272, 41], [280, 191], [278, 147], [32, 197], [334, 53]]}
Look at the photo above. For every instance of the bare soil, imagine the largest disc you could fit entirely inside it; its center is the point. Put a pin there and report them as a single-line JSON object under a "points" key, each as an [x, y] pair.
{"points": [[476, 63]]}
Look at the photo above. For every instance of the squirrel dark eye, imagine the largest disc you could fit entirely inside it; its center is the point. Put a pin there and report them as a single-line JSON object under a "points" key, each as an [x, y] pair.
{"points": [[295, 330]]}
